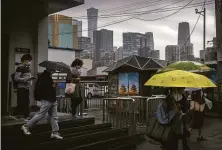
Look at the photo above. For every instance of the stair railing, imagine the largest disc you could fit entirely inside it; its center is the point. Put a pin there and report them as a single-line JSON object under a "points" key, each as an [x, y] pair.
{"points": [[120, 112]]}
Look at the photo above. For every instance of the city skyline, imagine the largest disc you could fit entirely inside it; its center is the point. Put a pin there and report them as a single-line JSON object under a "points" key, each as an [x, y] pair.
{"points": [[165, 30]]}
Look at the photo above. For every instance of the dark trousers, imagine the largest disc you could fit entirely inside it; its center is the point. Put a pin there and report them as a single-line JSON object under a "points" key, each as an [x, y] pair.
{"points": [[23, 102], [74, 104], [184, 137], [171, 144]]}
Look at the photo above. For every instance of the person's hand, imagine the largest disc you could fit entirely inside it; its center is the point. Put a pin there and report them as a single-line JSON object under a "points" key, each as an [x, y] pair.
{"points": [[54, 85], [31, 78]]}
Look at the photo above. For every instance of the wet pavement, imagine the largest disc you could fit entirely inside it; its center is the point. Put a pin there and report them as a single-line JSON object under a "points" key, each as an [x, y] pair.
{"points": [[212, 131]]}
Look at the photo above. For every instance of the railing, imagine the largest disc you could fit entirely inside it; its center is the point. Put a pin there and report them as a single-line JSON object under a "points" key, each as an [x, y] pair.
{"points": [[120, 112], [131, 112], [92, 92]]}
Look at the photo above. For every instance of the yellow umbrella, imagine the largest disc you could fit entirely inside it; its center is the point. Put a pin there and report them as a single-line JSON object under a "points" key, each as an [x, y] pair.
{"points": [[179, 78]]}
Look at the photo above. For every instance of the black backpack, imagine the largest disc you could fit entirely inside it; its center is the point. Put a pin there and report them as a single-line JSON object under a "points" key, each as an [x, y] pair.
{"points": [[14, 83], [38, 87]]}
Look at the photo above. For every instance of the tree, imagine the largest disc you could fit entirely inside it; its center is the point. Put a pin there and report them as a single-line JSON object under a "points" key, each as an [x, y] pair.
{"points": [[133, 90], [122, 90]]}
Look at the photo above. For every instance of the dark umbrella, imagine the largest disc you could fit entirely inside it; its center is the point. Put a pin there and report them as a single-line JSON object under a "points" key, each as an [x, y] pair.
{"points": [[58, 66]]}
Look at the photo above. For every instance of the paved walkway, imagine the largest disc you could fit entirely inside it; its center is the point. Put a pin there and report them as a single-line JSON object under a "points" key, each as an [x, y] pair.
{"points": [[212, 131]]}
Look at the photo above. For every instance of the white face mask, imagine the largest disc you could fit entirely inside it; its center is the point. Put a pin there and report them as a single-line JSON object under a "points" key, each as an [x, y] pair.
{"points": [[177, 96], [29, 63]]}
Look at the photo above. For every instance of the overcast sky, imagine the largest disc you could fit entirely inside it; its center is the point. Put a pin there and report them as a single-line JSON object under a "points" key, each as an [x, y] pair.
{"points": [[165, 31]]}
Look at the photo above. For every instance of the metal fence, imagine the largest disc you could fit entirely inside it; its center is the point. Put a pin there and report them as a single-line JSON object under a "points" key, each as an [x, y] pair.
{"points": [[92, 92], [131, 112]]}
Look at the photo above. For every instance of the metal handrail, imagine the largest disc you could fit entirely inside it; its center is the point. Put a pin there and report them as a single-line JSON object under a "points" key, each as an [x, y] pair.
{"points": [[147, 105], [118, 113]]}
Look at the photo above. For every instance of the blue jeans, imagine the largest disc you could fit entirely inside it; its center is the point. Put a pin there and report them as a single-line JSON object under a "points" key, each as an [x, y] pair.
{"points": [[51, 108]]}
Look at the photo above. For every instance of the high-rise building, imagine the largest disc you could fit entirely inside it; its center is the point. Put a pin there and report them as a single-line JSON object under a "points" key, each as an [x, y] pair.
{"points": [[172, 53], [137, 43], [87, 47], [103, 40], [84, 42], [155, 54], [92, 15], [131, 41], [183, 34], [186, 52], [147, 40], [186, 47], [79, 28], [62, 32], [119, 54]]}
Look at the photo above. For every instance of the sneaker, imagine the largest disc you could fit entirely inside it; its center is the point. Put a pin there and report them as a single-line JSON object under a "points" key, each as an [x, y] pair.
{"points": [[56, 136], [25, 130]]}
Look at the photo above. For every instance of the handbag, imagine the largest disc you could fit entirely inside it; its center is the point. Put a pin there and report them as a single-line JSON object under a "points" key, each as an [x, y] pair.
{"points": [[70, 88], [160, 132]]}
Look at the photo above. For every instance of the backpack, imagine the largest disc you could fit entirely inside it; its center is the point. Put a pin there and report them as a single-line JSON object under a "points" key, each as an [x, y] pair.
{"points": [[37, 89], [14, 83]]}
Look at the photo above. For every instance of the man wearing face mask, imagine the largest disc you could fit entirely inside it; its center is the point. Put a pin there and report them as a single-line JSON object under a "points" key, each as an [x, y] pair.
{"points": [[45, 91], [24, 80]]}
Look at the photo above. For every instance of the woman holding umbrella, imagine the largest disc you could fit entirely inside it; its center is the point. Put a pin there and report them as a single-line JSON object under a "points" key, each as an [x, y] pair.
{"points": [[176, 79]]}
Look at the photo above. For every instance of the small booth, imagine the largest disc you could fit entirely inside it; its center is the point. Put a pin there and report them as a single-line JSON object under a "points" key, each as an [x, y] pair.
{"points": [[126, 80], [128, 76]]}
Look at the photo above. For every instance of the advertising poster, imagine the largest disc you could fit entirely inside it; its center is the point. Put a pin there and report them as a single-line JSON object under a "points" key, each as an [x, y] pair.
{"points": [[133, 83], [129, 84]]}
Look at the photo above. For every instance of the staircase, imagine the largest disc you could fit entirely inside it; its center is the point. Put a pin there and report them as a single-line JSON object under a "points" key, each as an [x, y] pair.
{"points": [[81, 134]]}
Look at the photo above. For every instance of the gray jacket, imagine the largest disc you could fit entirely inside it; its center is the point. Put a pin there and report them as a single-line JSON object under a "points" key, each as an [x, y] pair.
{"points": [[23, 77]]}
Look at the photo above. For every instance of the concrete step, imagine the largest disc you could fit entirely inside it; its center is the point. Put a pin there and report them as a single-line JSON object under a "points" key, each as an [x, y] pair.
{"points": [[76, 141], [34, 139], [120, 143]]}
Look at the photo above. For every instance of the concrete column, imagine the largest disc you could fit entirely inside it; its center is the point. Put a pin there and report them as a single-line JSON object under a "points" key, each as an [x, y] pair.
{"points": [[218, 12], [42, 51]]}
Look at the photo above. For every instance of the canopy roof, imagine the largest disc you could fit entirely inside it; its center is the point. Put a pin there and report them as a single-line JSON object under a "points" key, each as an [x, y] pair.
{"points": [[137, 62]]}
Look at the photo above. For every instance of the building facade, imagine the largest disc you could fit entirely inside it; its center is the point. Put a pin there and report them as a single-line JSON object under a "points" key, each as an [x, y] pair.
{"points": [[172, 53], [92, 15], [138, 44], [131, 41], [103, 40], [183, 34], [62, 31], [65, 55], [28, 33], [119, 54], [79, 28], [186, 52]]}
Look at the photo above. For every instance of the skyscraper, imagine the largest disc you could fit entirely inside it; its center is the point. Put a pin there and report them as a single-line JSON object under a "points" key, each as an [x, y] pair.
{"points": [[149, 40], [184, 42], [92, 15], [183, 34], [172, 53], [132, 41], [103, 40], [79, 28]]}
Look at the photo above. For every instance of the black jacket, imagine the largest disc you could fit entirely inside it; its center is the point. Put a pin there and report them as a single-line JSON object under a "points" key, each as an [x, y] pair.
{"points": [[44, 89]]}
